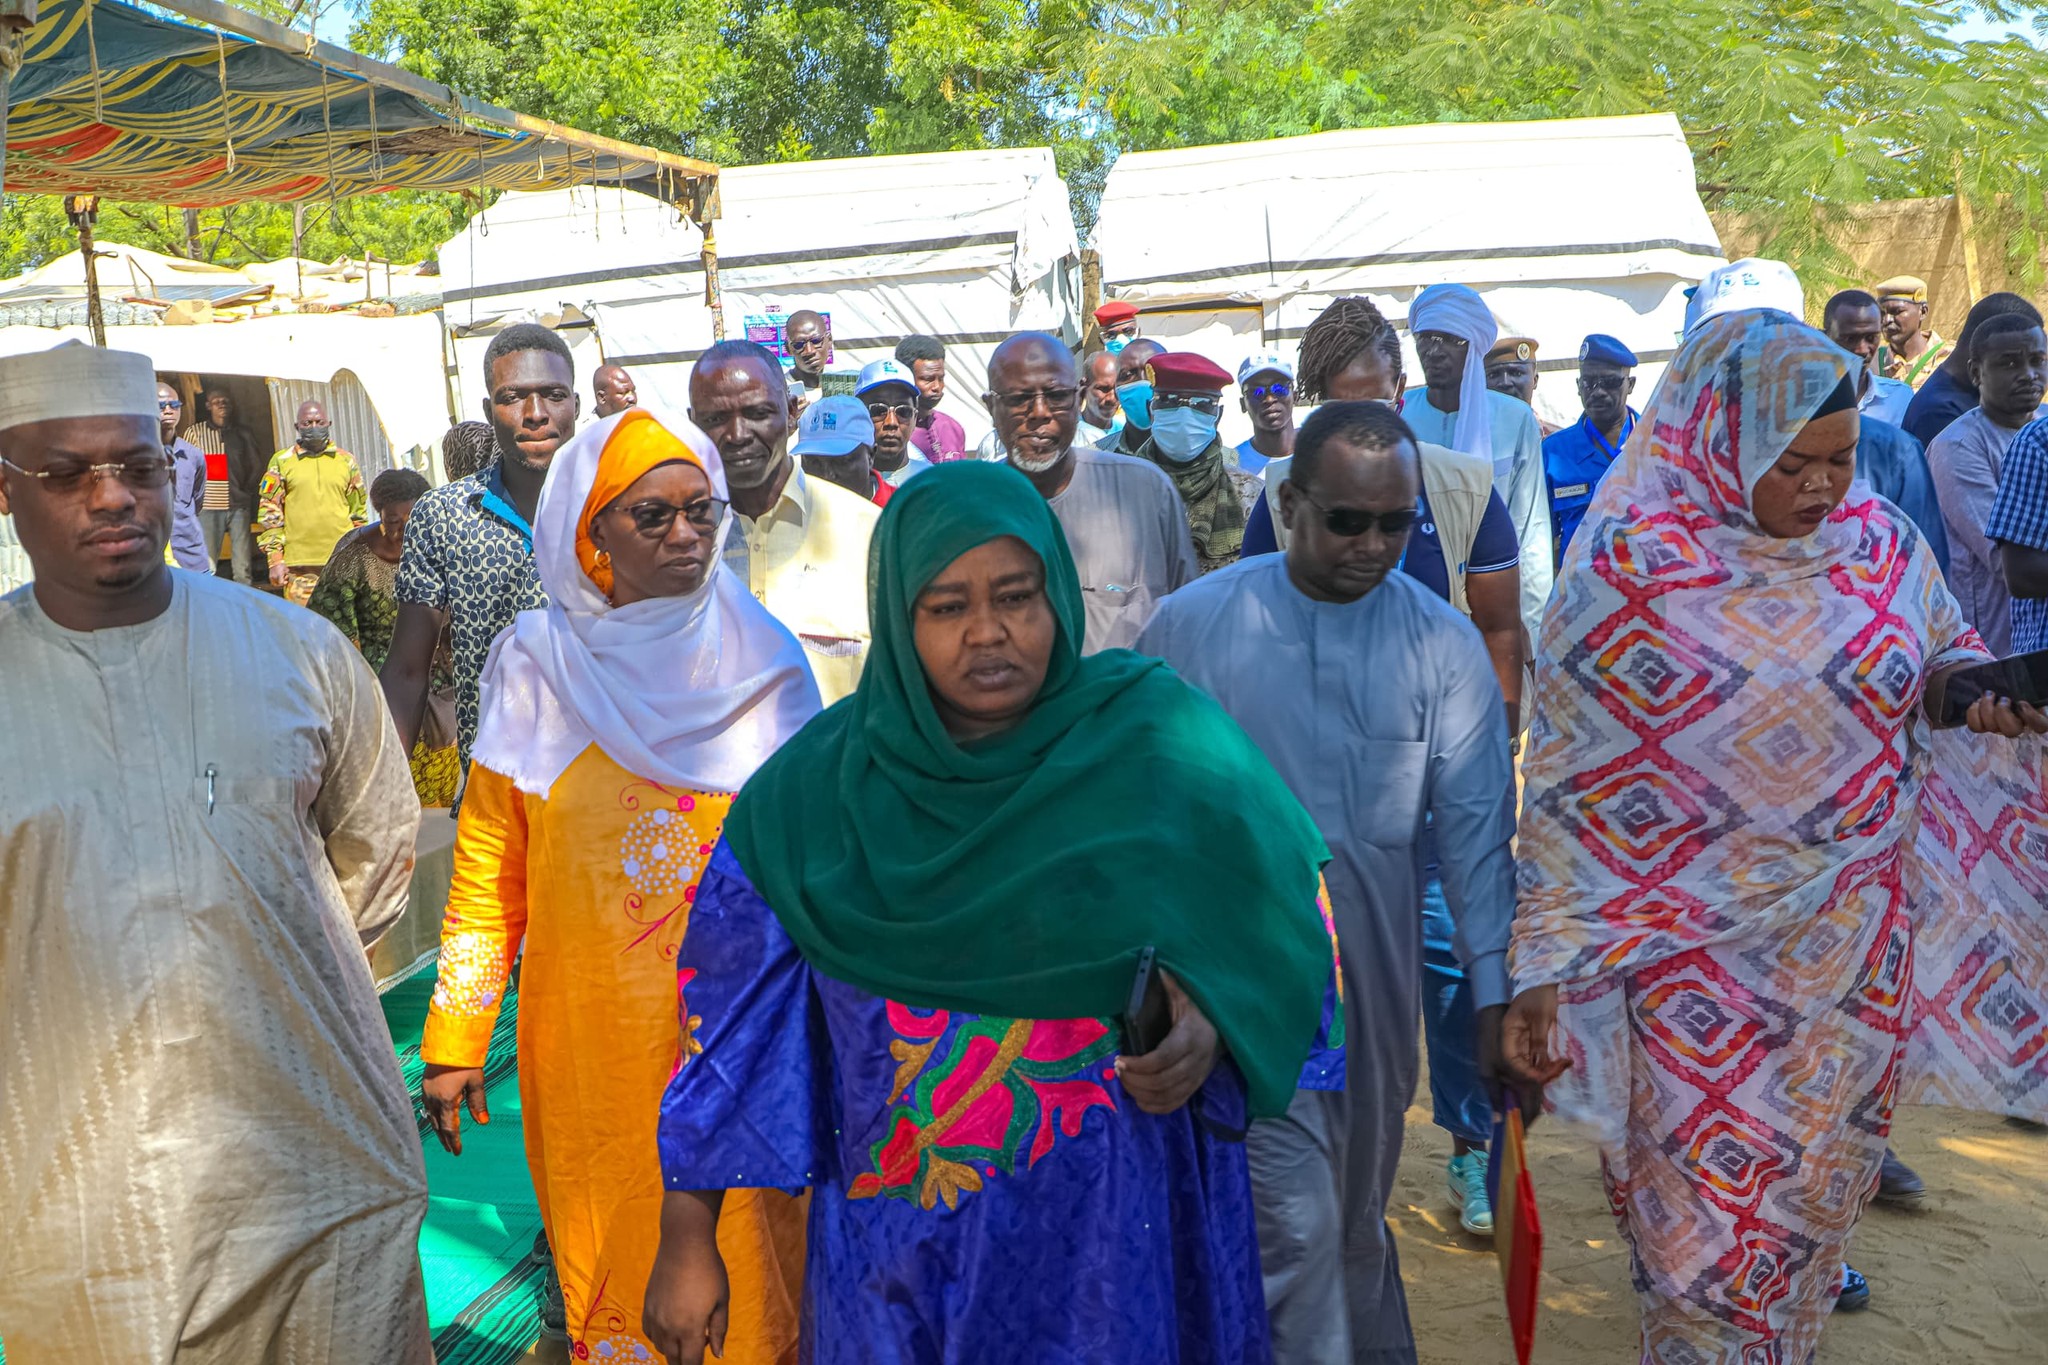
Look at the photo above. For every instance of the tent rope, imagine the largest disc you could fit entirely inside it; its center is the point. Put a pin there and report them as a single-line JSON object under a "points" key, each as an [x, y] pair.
{"points": [[92, 47], [376, 147], [227, 127], [483, 229], [326, 125]]}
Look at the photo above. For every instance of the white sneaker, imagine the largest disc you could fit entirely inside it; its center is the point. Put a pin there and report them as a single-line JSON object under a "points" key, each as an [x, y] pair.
{"points": [[1468, 1193]]}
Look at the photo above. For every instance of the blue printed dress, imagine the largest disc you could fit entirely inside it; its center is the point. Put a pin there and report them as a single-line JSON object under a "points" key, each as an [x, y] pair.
{"points": [[983, 1190]]}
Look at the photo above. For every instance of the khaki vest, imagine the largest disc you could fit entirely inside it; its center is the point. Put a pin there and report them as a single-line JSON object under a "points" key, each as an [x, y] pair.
{"points": [[1458, 486]]}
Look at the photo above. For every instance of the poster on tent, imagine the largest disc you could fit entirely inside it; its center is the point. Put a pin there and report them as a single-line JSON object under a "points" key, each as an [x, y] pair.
{"points": [[766, 329]]}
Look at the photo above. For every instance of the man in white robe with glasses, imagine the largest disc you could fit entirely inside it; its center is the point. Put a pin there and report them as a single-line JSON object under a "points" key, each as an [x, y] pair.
{"points": [[206, 1150]]}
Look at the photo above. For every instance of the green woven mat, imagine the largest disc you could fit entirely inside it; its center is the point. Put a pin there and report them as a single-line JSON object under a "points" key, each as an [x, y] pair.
{"points": [[483, 1281]]}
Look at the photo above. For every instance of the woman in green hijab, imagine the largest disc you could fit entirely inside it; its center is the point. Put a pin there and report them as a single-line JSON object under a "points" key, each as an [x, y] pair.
{"points": [[906, 962]]}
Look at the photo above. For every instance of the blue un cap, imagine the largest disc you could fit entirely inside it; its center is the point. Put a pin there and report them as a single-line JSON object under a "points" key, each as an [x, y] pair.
{"points": [[1602, 347]]}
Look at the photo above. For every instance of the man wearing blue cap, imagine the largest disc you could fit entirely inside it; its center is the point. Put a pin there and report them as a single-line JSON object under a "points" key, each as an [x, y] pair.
{"points": [[1575, 459], [889, 390], [835, 441]]}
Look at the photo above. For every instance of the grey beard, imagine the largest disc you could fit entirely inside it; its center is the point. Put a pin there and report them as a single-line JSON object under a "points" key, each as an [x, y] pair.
{"points": [[1033, 466]]}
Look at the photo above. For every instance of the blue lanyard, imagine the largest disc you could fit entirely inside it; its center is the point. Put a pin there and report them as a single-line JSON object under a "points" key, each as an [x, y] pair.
{"points": [[1612, 452], [496, 501]]}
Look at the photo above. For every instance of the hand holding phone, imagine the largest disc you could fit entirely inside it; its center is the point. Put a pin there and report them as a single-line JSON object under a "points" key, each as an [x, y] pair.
{"points": [[1148, 1014]]}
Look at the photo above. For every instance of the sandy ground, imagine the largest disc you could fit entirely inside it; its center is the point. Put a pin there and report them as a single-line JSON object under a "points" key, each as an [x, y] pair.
{"points": [[1963, 1279]]}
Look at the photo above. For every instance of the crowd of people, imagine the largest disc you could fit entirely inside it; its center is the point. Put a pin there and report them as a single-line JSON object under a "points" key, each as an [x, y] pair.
{"points": [[988, 900]]}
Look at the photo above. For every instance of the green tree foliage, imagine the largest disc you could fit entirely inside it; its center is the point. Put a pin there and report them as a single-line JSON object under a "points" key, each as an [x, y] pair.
{"points": [[1794, 108], [401, 227]]}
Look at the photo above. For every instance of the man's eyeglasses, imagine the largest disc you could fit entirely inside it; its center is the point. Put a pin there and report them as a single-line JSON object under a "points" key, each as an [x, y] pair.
{"points": [[1280, 390], [1056, 400], [168, 405], [808, 344], [1211, 404], [68, 476], [655, 519], [1350, 522], [905, 412]]}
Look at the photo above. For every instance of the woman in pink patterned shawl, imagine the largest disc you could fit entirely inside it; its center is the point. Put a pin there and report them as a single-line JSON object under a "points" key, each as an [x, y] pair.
{"points": [[1760, 901]]}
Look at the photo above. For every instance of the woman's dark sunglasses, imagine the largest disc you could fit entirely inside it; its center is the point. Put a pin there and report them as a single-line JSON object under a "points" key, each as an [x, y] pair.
{"points": [[1351, 523], [655, 519]]}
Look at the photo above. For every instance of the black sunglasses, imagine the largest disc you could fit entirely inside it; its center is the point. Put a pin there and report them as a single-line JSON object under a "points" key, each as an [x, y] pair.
{"points": [[905, 412], [1350, 522], [654, 519]]}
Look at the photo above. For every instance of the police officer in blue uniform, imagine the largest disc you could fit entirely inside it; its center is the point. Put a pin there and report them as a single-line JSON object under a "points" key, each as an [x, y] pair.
{"points": [[1577, 457]]}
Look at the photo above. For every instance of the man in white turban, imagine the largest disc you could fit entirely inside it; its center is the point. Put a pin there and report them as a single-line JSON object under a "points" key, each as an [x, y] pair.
{"points": [[1453, 330], [206, 1150]]}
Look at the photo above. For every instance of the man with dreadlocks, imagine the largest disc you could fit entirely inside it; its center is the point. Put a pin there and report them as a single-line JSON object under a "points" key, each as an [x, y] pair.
{"points": [[466, 448], [1464, 547]]}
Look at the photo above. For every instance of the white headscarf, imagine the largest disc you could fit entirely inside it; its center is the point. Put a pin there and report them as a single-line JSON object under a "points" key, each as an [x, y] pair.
{"points": [[1459, 311], [691, 691]]}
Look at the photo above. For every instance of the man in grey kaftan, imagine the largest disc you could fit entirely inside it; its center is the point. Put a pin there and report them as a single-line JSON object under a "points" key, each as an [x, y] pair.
{"points": [[206, 1150], [1382, 714]]}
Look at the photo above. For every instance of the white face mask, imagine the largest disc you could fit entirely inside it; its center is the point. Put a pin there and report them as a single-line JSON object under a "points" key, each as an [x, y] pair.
{"points": [[1182, 433]]}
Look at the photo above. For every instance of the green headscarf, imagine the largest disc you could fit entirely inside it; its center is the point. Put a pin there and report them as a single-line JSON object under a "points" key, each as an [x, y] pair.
{"points": [[1021, 875]]}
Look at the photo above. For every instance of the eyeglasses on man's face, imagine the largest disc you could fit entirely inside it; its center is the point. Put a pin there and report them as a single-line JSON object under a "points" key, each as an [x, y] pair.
{"points": [[1055, 400], [1209, 403], [902, 412], [1280, 389], [68, 476]]}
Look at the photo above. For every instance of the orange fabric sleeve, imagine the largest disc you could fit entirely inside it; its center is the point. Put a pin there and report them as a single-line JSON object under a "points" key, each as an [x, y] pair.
{"points": [[485, 922]]}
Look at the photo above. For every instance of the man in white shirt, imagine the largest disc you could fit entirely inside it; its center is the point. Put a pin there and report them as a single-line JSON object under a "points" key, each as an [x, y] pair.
{"points": [[801, 545], [1852, 321]]}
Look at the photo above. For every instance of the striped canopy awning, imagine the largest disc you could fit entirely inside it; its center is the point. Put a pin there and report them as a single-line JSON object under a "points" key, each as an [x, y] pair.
{"points": [[115, 101]]}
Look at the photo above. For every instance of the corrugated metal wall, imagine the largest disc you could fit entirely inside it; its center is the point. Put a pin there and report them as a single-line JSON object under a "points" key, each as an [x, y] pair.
{"points": [[357, 428]]}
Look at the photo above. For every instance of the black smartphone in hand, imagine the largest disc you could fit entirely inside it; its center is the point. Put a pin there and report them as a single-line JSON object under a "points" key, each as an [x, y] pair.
{"points": [[1148, 1014], [2023, 677]]}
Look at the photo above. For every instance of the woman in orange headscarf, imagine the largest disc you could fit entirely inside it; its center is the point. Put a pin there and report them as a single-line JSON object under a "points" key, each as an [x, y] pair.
{"points": [[617, 724]]}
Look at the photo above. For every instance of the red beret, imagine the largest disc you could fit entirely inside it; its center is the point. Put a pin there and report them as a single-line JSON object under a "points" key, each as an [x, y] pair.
{"points": [[1115, 311], [1186, 372]]}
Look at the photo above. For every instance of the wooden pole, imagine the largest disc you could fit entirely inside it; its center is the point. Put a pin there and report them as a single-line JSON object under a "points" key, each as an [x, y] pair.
{"points": [[713, 299], [83, 210], [1966, 228], [1091, 299]]}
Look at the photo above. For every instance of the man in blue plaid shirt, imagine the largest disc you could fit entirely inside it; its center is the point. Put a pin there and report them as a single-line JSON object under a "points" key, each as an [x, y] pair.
{"points": [[2019, 523]]}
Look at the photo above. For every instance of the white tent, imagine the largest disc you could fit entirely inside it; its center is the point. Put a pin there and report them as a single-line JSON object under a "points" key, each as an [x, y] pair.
{"points": [[967, 246], [1566, 227], [396, 362]]}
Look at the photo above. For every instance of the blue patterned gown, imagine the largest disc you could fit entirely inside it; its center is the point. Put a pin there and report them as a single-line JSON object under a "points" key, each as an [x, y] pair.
{"points": [[984, 1193]]}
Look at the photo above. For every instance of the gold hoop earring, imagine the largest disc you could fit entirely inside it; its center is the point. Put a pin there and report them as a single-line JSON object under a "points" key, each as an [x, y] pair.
{"points": [[604, 559]]}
